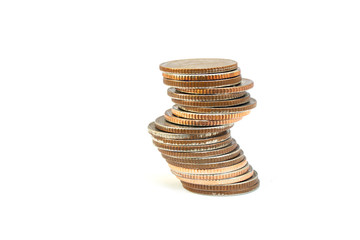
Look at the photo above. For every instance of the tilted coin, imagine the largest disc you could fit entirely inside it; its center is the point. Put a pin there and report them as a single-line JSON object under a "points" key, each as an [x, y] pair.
{"points": [[195, 77], [199, 65], [233, 109], [226, 187], [173, 93], [221, 103], [208, 131], [194, 122], [207, 116], [192, 142], [244, 85], [191, 148], [202, 84]]}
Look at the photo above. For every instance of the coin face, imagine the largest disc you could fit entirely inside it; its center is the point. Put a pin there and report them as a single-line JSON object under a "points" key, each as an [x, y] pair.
{"points": [[199, 65]]}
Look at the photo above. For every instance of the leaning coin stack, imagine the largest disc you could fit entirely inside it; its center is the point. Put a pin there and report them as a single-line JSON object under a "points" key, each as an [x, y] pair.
{"points": [[194, 135]]}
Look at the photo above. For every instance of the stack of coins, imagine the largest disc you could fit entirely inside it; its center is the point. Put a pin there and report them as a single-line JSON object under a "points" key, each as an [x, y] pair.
{"points": [[194, 135]]}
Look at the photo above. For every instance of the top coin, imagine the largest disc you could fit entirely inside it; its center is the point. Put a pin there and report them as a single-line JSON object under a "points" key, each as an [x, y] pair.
{"points": [[199, 65]]}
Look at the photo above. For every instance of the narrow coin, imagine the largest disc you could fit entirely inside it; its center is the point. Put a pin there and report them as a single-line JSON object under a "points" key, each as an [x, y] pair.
{"points": [[191, 148], [208, 131], [226, 187], [207, 116], [200, 77], [209, 153], [199, 65], [202, 84], [173, 93], [220, 193], [212, 104], [244, 85], [192, 142], [233, 109], [242, 177], [192, 122], [216, 176]]}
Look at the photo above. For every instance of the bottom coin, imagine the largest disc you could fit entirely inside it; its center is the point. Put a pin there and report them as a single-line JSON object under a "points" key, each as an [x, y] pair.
{"points": [[214, 192]]}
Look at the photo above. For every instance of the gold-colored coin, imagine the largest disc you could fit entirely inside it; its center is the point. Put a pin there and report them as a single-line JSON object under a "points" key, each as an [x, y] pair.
{"points": [[199, 65], [207, 116], [173, 93], [192, 122], [244, 85], [201, 77], [202, 84]]}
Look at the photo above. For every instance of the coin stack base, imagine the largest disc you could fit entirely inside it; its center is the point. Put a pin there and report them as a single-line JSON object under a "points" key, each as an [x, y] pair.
{"points": [[194, 135]]}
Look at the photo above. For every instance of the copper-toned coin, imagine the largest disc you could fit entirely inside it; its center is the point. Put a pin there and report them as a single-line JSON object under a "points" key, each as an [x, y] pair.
{"points": [[233, 109], [208, 171], [193, 142], [207, 116], [169, 136], [199, 65], [208, 131], [191, 122], [172, 92], [212, 104], [202, 84], [215, 176], [192, 148], [213, 165], [242, 177], [244, 85], [201, 77], [226, 187], [233, 192], [208, 159], [208, 153]]}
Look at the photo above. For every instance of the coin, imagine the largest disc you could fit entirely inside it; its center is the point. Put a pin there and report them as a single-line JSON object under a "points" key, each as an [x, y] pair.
{"points": [[191, 148], [194, 122], [193, 142], [207, 116], [208, 153], [199, 65], [225, 187], [202, 84], [244, 85], [233, 109], [173, 93], [233, 192], [214, 104], [201, 77], [206, 132]]}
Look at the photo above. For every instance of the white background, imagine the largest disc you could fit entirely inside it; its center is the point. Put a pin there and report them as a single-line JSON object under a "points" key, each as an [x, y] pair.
{"points": [[79, 83]]}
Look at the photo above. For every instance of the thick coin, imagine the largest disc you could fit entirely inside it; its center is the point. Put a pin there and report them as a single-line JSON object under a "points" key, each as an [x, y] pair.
{"points": [[192, 122], [202, 84], [208, 153], [233, 109], [201, 77], [209, 131], [212, 165], [199, 65], [173, 93], [244, 85], [215, 176], [192, 142], [226, 187], [207, 116], [192, 148], [221, 103], [240, 178], [220, 193], [208, 159]]}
